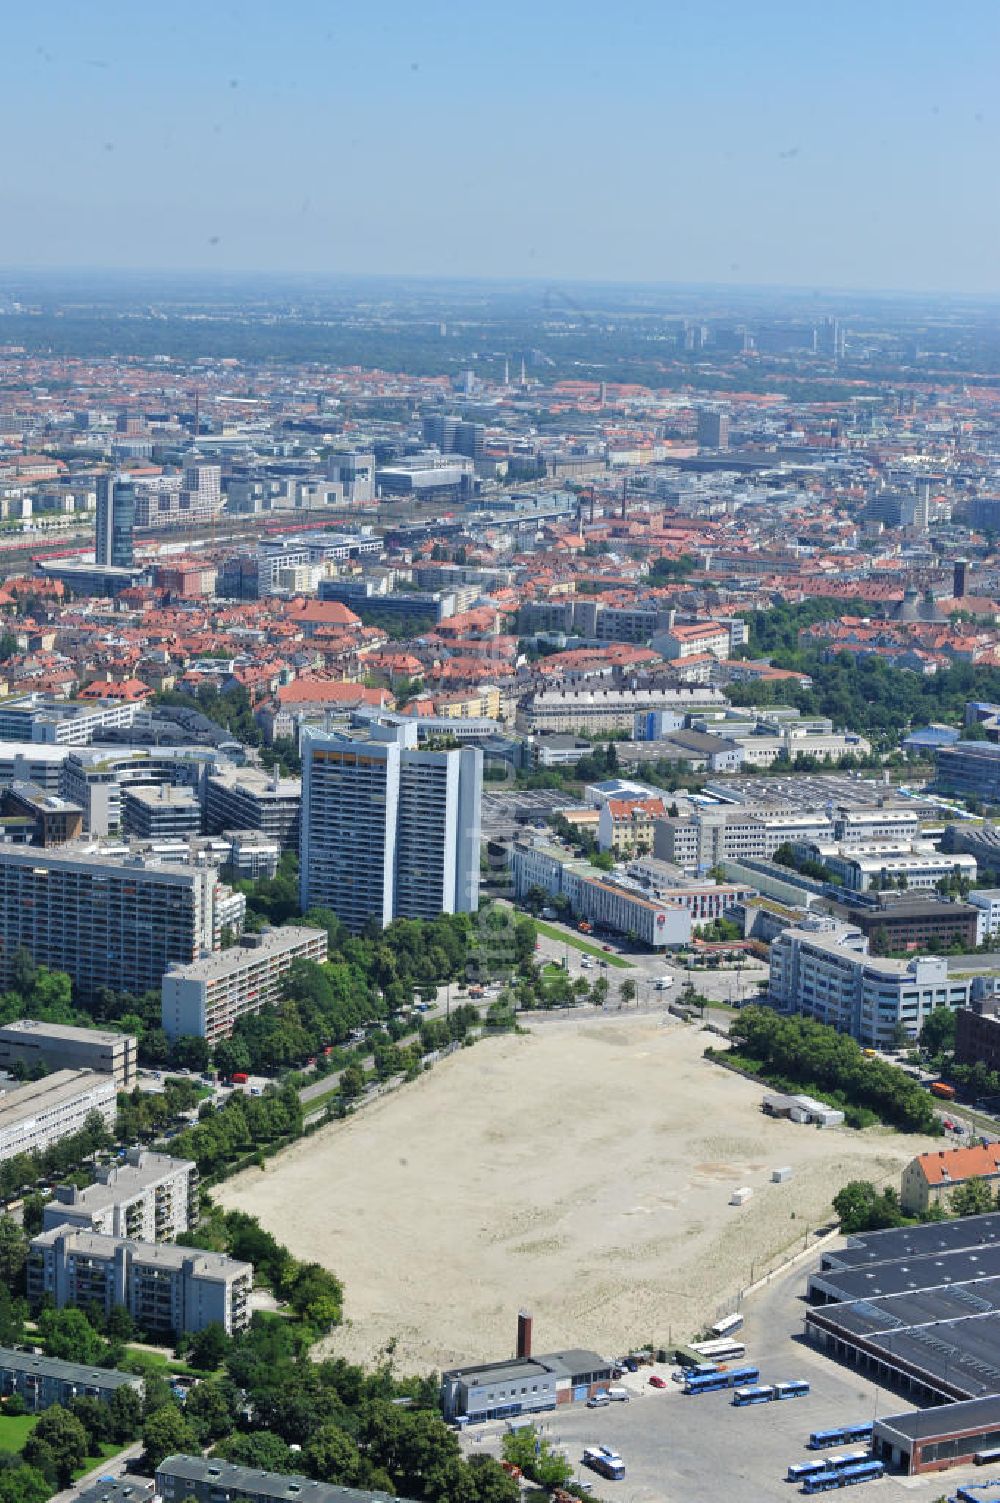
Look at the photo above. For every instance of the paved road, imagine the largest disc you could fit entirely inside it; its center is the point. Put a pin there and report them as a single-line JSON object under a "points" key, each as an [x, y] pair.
{"points": [[115, 1466]]}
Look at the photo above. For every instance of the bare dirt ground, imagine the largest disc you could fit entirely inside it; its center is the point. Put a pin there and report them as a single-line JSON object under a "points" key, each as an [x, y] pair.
{"points": [[583, 1171]]}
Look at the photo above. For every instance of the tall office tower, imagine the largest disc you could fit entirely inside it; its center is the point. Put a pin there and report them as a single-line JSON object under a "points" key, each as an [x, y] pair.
{"points": [[115, 522], [389, 830], [713, 429]]}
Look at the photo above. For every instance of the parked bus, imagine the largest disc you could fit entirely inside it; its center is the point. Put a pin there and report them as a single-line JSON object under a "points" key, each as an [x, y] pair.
{"points": [[736, 1377], [700, 1371], [756, 1393], [845, 1435], [987, 1458], [800, 1470], [794, 1388], [861, 1471], [605, 1461], [727, 1327], [720, 1351]]}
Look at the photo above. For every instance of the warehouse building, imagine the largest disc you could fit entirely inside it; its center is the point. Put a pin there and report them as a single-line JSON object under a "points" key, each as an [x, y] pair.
{"points": [[150, 1196], [918, 1308], [42, 1381], [206, 997], [164, 1288], [29, 1043], [34, 1115]]}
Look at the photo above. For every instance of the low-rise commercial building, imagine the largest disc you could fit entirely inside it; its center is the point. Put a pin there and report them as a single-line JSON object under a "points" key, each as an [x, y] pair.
{"points": [[34, 1115], [592, 895], [149, 1196], [43, 717], [43, 1381], [207, 996], [164, 1288], [52, 820], [522, 1385], [212, 1480], [28, 1043], [970, 769]]}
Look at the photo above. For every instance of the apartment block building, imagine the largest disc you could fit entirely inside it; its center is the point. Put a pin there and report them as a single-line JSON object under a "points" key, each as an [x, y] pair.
{"points": [[96, 778], [389, 829], [824, 972], [58, 1046], [209, 995], [148, 1196], [34, 1115], [212, 1480], [109, 918], [245, 798], [164, 1288], [43, 1381]]}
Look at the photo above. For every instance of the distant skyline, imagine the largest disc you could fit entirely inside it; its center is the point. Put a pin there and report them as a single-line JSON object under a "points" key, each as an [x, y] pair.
{"points": [[683, 141]]}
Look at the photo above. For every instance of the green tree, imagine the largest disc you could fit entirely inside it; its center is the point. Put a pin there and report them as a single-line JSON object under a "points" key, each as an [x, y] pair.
{"points": [[209, 1346], [126, 1413], [974, 1198], [20, 1483], [209, 1410], [332, 1456], [938, 1033], [627, 991], [13, 1252], [68, 1335], [165, 1432], [489, 1483], [527, 1449], [60, 1436]]}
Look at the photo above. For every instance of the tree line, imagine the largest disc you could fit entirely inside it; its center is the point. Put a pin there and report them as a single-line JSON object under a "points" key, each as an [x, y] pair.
{"points": [[797, 1054]]}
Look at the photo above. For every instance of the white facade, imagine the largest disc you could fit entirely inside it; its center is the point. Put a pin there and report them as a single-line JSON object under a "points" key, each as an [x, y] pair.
{"points": [[389, 829], [150, 1196], [206, 997], [41, 1112], [826, 973]]}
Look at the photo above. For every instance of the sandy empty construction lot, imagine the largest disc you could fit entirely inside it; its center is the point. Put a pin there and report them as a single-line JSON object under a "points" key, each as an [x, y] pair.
{"points": [[584, 1170]]}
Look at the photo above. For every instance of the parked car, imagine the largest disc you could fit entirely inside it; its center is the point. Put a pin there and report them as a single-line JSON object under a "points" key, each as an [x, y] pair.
{"points": [[606, 947], [599, 1401], [655, 1381]]}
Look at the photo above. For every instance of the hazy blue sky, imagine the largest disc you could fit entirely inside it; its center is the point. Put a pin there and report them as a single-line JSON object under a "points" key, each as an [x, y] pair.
{"points": [[848, 144]]}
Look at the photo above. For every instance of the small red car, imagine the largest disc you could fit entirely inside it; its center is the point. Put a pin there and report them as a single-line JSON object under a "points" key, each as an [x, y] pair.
{"points": [[656, 1381], [606, 947]]}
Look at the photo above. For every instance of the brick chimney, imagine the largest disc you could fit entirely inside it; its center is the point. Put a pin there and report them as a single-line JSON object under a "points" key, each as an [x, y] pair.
{"points": [[524, 1323]]}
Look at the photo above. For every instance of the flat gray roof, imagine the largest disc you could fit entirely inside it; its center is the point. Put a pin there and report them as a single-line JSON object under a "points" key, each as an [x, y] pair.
{"points": [[930, 1271], [61, 1033], [65, 1372], [950, 1419], [915, 1241], [273, 942], [42, 1095], [276, 1485]]}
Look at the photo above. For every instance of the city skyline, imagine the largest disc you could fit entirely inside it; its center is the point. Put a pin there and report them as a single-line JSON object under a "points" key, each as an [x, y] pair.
{"points": [[718, 145]]}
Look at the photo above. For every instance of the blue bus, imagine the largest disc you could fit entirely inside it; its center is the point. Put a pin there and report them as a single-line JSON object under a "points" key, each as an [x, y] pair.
{"points": [[736, 1377], [794, 1388], [847, 1476], [844, 1435], [756, 1393], [800, 1470]]}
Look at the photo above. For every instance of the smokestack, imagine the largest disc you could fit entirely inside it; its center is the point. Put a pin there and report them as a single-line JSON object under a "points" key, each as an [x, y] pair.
{"points": [[524, 1323], [961, 567]]}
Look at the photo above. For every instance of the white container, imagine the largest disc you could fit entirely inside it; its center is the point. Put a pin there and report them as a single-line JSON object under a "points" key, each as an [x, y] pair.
{"points": [[741, 1196], [780, 1176]]}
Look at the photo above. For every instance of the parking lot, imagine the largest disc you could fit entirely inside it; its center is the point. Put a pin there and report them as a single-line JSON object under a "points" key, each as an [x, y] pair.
{"points": [[683, 1449]]}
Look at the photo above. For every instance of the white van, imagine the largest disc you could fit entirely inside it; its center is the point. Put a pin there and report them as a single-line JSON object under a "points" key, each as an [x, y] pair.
{"points": [[663, 982], [619, 1395]]}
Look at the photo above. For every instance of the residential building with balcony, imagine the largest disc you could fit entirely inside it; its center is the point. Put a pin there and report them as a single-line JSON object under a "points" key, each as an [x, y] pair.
{"points": [[208, 996], [149, 1197], [43, 1381], [40, 1112], [164, 1288], [209, 1479]]}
